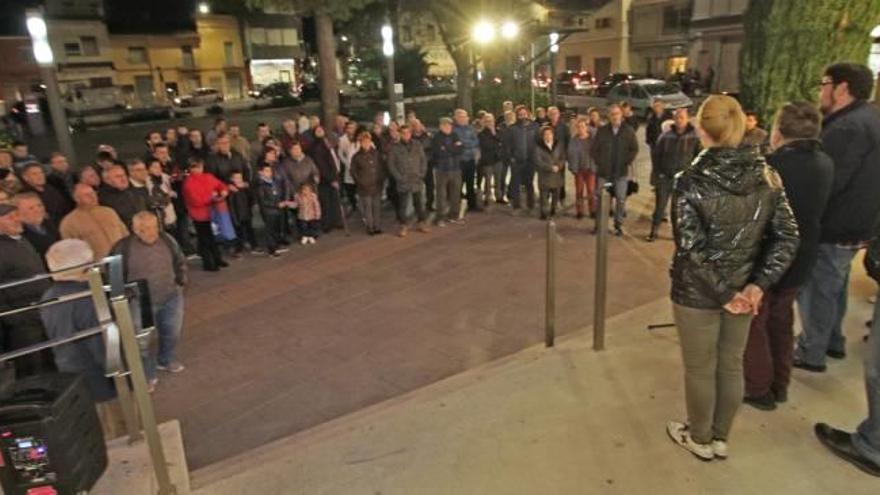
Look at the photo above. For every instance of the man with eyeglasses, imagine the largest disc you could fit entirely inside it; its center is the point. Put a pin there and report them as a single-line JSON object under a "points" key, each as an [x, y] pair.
{"points": [[851, 136]]}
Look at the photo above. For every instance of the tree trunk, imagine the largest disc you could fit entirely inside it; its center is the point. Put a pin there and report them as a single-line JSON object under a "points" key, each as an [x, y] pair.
{"points": [[327, 67], [788, 44], [463, 80]]}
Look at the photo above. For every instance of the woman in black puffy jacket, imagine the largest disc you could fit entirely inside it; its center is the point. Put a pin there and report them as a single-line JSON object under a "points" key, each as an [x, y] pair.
{"points": [[735, 236]]}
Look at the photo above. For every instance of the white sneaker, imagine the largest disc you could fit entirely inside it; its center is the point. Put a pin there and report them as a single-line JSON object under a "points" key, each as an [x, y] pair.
{"points": [[304, 241], [312, 240], [719, 448], [679, 434]]}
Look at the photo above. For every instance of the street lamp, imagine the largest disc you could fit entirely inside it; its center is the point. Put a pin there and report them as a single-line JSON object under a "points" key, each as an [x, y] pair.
{"points": [[509, 30], [388, 51], [204, 8], [484, 32], [36, 26]]}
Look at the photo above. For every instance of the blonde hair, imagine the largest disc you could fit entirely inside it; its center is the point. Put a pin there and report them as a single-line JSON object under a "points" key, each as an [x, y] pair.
{"points": [[722, 119]]}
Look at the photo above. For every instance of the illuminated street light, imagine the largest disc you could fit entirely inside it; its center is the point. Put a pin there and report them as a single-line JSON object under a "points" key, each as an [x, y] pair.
{"points": [[484, 32], [344, 38], [387, 41], [204, 8], [554, 40], [509, 30]]}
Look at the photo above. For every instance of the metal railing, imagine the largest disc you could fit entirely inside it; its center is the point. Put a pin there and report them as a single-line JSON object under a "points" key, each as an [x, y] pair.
{"points": [[123, 356]]}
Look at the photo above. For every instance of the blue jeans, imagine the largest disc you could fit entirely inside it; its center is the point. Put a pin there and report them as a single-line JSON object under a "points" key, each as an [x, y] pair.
{"points": [[866, 439], [822, 305], [620, 187], [168, 318]]}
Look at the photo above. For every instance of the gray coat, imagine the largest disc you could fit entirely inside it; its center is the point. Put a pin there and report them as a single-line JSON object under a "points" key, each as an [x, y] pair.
{"points": [[545, 160], [579, 154], [408, 165]]}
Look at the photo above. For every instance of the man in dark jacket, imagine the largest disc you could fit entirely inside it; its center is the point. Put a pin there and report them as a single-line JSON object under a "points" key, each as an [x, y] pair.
{"points": [[226, 161], [368, 173], [20, 261], [671, 153], [653, 130], [807, 173], [445, 150], [470, 147], [408, 165], [57, 203], [851, 136], [519, 149], [39, 229], [614, 152], [116, 193], [272, 199]]}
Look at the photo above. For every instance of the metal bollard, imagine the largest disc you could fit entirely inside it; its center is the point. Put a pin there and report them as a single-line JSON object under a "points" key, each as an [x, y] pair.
{"points": [[550, 309], [601, 285]]}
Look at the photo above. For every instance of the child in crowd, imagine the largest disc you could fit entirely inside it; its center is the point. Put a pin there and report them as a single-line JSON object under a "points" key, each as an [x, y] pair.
{"points": [[241, 202], [308, 213], [271, 192]]}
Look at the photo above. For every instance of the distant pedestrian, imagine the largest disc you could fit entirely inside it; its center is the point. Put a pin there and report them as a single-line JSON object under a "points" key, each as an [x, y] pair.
{"points": [[368, 172], [308, 213], [445, 152], [629, 116], [549, 161], [755, 136], [408, 164], [673, 152], [614, 151], [491, 160]]}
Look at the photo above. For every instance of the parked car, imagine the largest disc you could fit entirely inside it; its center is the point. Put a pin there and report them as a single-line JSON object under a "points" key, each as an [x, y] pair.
{"points": [[641, 93], [575, 81], [312, 91], [201, 96], [612, 80], [688, 84], [541, 81], [274, 90]]}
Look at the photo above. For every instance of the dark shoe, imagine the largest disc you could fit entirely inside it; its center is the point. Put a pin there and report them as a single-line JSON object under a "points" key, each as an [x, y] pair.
{"points": [[765, 402], [618, 231], [840, 444], [543, 216], [653, 235], [580, 215], [836, 354], [869, 323], [502, 201], [377, 231], [809, 367], [780, 395], [211, 268], [222, 264]]}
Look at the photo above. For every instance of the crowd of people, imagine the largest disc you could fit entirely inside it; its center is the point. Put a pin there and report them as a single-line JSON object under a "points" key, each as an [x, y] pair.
{"points": [[759, 220]]}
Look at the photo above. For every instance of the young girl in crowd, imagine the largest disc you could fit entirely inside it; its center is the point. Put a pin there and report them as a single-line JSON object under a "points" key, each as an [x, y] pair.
{"points": [[308, 213]]}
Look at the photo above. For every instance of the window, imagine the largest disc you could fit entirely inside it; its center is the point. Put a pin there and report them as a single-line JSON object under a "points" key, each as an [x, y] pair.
{"points": [[603, 23], [229, 53], [573, 62], [676, 19], [137, 55], [89, 45], [72, 49], [273, 37], [258, 36], [188, 60], [289, 37]]}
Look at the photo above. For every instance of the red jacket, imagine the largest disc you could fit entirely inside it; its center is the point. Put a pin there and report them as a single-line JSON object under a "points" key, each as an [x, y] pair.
{"points": [[199, 195]]}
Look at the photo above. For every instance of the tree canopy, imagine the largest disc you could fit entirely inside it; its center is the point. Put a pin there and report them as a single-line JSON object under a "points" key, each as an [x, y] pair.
{"points": [[788, 43]]}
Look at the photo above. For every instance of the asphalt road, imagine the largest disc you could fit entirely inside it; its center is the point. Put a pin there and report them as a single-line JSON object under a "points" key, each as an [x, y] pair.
{"points": [[129, 138]]}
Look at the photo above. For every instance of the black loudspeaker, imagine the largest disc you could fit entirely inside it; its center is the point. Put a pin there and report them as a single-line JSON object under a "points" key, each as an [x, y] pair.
{"points": [[50, 437]]}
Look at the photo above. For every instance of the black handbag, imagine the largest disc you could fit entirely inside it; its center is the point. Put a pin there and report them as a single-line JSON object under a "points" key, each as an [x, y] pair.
{"points": [[632, 187]]}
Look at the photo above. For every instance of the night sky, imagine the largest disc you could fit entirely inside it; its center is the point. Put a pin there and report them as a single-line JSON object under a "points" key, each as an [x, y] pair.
{"points": [[122, 15]]}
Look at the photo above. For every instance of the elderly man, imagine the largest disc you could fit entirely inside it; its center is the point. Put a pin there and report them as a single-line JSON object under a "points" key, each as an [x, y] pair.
{"points": [[55, 201], [152, 255], [225, 161], [39, 229], [19, 261], [117, 193], [99, 226]]}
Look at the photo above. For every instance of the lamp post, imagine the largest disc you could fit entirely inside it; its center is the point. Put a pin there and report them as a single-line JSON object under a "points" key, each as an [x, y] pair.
{"points": [[388, 51], [509, 31], [554, 49], [36, 26]]}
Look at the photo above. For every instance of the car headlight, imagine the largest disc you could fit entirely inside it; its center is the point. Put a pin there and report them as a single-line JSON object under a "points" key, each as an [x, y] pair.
{"points": [[177, 100]]}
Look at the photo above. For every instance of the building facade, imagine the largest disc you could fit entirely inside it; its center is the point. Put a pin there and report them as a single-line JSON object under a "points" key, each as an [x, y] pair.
{"points": [[19, 74], [272, 46], [716, 40], [603, 46], [659, 36]]}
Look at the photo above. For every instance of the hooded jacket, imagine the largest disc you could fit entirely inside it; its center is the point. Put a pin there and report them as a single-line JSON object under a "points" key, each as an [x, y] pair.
{"points": [[732, 226]]}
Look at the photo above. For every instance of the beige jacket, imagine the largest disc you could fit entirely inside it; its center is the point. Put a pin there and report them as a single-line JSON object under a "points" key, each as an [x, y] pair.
{"points": [[99, 226]]}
